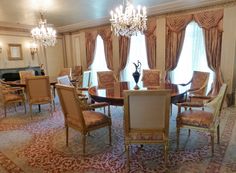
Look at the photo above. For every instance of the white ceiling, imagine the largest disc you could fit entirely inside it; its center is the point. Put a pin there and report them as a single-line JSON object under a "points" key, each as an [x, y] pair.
{"points": [[68, 15]]}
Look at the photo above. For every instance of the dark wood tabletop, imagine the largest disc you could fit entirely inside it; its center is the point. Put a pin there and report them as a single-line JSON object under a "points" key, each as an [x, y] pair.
{"points": [[115, 95], [20, 83]]}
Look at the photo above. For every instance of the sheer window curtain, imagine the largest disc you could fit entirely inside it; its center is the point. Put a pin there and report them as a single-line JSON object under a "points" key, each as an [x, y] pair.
{"points": [[137, 52], [99, 62], [192, 57]]}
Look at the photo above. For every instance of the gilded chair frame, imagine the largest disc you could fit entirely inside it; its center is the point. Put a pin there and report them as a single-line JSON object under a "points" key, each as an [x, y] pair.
{"points": [[202, 89], [33, 93], [80, 125], [15, 94], [214, 107], [160, 131]]}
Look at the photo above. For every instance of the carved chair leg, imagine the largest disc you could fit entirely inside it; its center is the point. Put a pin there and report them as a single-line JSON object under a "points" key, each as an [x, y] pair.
{"points": [[218, 134], [109, 111], [67, 135], [177, 137], [127, 154], [84, 142], [54, 107], [189, 132], [25, 107], [109, 128], [166, 153], [212, 143], [31, 111]]}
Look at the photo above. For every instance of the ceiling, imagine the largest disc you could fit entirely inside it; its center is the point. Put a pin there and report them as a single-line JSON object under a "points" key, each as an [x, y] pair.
{"points": [[68, 15]]}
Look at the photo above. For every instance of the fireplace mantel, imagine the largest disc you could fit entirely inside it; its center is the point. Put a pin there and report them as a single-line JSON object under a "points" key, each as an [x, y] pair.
{"points": [[16, 70]]}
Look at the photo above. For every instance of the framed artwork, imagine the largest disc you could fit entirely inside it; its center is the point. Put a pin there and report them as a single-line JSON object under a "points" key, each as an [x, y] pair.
{"points": [[15, 52]]}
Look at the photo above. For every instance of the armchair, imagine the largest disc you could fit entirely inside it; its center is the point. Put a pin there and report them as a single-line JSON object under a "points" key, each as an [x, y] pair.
{"points": [[146, 118], [75, 117], [198, 83], [207, 120], [64, 80], [39, 91], [65, 71], [11, 95], [106, 79]]}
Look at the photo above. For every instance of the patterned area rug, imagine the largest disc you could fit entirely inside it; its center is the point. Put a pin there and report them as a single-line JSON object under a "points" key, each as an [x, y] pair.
{"points": [[38, 145]]}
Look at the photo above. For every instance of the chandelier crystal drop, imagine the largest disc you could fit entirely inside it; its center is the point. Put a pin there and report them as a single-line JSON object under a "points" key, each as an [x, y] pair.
{"points": [[43, 34], [128, 21]]}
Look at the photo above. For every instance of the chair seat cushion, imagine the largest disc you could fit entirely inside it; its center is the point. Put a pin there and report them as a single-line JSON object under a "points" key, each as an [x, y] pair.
{"points": [[12, 97], [93, 119], [196, 118]]}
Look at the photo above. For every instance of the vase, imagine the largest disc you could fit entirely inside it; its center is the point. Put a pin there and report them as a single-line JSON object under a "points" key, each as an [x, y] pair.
{"points": [[136, 76]]}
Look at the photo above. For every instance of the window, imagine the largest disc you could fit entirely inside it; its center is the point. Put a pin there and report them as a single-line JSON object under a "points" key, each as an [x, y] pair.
{"points": [[192, 57], [137, 52], [99, 62]]}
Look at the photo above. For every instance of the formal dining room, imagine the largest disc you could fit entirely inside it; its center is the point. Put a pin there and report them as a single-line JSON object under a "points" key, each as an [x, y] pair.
{"points": [[118, 86]]}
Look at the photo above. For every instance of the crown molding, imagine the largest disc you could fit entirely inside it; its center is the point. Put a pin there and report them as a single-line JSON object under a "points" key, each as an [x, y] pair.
{"points": [[82, 25], [166, 8], [162, 9]]}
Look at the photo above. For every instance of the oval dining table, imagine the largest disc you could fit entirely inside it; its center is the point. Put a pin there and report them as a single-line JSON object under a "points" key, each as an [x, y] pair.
{"points": [[115, 95]]}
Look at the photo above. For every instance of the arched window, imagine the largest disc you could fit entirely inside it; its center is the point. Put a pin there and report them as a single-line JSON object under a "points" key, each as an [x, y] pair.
{"points": [[137, 52], [192, 57], [99, 62]]}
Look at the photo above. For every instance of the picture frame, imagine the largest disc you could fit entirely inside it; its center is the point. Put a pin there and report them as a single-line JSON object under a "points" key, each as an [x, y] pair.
{"points": [[15, 52]]}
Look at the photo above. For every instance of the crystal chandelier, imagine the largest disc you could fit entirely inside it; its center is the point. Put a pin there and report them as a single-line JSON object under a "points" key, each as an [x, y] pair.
{"points": [[128, 21], [43, 34]]}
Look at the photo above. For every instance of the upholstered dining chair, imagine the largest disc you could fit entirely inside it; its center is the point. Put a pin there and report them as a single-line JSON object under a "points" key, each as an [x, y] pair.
{"points": [[146, 118], [25, 74], [65, 71], [11, 95], [198, 83], [207, 120], [64, 80], [39, 92], [84, 121], [151, 77], [106, 79], [77, 72]]}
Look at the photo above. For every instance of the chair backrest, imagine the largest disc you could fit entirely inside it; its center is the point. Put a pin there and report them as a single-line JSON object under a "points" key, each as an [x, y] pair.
{"points": [[65, 71], [71, 106], [65, 80], [106, 79], [86, 81], [200, 80], [151, 77], [217, 103], [26, 74], [146, 111], [77, 70], [38, 89]]}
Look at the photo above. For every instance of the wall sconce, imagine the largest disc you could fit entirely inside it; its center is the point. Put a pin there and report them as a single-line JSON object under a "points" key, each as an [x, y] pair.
{"points": [[33, 49]]}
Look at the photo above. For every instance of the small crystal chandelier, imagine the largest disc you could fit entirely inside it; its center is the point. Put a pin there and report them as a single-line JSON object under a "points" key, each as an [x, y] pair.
{"points": [[43, 34], [128, 21]]}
